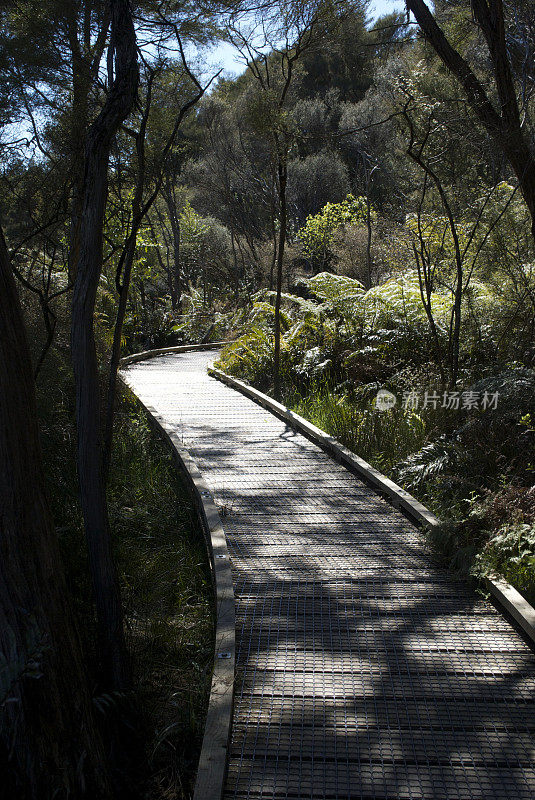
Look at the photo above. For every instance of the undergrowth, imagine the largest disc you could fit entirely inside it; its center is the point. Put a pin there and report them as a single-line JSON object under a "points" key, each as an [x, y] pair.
{"points": [[381, 439], [166, 593], [167, 599]]}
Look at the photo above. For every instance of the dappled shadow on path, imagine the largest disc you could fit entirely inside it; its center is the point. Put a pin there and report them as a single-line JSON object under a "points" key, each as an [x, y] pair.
{"points": [[364, 671]]}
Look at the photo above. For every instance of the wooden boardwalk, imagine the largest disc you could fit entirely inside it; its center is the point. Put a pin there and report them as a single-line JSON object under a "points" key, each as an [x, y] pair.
{"points": [[363, 671]]}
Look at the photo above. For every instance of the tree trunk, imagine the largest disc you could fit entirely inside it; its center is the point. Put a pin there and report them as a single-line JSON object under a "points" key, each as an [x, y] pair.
{"points": [[368, 243], [92, 489], [369, 174], [85, 65], [425, 284], [165, 268], [81, 85], [116, 354], [282, 172], [175, 228], [274, 253], [49, 745]]}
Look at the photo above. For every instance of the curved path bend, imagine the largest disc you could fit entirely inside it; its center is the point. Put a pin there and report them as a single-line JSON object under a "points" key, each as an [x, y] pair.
{"points": [[363, 671]]}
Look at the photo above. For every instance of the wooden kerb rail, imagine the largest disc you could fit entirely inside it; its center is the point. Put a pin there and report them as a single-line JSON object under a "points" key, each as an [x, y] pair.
{"points": [[213, 760], [506, 595]]}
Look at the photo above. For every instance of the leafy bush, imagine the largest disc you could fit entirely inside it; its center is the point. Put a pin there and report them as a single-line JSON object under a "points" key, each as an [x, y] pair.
{"points": [[485, 448], [511, 553], [382, 438], [318, 233], [250, 358]]}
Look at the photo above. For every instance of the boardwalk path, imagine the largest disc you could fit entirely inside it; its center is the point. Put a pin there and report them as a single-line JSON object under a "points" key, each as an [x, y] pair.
{"points": [[363, 671]]}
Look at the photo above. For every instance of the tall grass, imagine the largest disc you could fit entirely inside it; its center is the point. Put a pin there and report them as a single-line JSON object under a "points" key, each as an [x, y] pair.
{"points": [[382, 438], [167, 598]]}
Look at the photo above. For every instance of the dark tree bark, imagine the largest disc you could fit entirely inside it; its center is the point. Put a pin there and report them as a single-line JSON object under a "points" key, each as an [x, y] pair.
{"points": [[49, 746], [503, 125], [117, 107]]}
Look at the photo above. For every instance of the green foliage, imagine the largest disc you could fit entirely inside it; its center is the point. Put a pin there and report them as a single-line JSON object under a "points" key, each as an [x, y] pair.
{"points": [[192, 230], [382, 438], [318, 178], [455, 545], [511, 553], [482, 448], [318, 233], [336, 288], [166, 589], [251, 357], [200, 322]]}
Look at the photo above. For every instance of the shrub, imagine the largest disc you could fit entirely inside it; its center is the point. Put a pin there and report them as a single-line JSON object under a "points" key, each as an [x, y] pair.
{"points": [[511, 553]]}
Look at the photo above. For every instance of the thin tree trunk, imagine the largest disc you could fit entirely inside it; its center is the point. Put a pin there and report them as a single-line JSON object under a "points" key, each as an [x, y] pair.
{"points": [[165, 269], [142, 296], [368, 244], [369, 226], [236, 274], [455, 328], [49, 745], [92, 489], [274, 253], [456, 334], [116, 356], [282, 172], [175, 228], [426, 291]]}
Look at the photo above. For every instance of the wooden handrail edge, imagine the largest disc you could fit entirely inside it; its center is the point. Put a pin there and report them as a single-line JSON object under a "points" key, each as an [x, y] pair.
{"points": [[162, 351]]}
